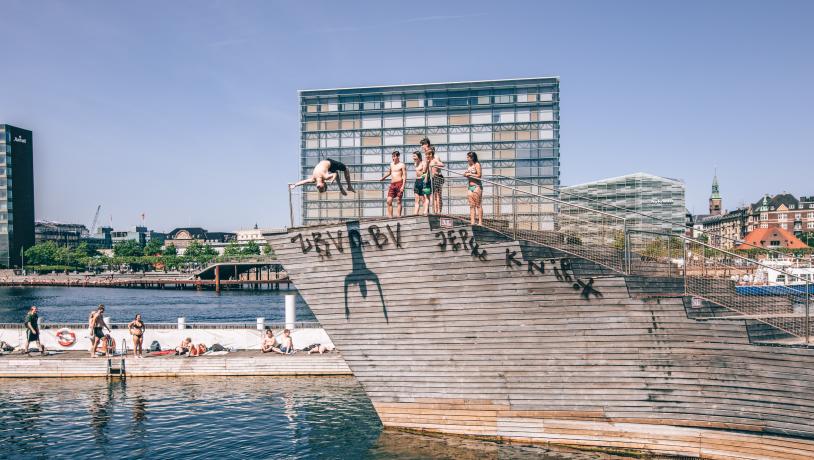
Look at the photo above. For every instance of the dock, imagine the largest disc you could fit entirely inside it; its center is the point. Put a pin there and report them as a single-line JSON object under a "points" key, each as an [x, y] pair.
{"points": [[239, 363]]}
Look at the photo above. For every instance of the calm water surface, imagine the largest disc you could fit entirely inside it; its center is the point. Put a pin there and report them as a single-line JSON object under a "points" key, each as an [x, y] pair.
{"points": [[72, 304], [204, 417], [218, 417]]}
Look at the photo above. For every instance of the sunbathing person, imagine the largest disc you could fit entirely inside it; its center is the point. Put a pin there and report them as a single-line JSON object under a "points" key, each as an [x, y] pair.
{"points": [[319, 348], [270, 343], [183, 349], [196, 350], [326, 171]]}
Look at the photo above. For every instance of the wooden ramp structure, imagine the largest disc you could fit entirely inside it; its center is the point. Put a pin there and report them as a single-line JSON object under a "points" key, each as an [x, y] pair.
{"points": [[463, 329]]}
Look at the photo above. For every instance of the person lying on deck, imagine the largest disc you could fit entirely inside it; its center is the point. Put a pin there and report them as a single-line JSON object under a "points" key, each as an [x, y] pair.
{"points": [[327, 171], [196, 350]]}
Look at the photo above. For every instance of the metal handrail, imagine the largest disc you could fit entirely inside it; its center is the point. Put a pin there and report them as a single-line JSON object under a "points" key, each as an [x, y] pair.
{"points": [[648, 216], [537, 195]]}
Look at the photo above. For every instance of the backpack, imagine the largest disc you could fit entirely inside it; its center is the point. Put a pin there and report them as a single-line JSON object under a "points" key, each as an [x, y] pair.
{"points": [[155, 346], [217, 347]]}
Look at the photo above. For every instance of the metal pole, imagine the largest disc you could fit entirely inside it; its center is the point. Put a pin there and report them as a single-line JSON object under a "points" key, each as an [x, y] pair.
{"points": [[808, 307], [514, 213], [626, 246], [290, 206]]}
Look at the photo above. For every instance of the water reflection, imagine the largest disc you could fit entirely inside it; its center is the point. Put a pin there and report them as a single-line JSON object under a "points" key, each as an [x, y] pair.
{"points": [[256, 417]]}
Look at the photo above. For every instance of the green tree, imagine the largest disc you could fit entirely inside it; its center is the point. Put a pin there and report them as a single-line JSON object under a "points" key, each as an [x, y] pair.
{"points": [[46, 253], [267, 251], [152, 248], [170, 250], [251, 249], [193, 249], [127, 248], [232, 249]]}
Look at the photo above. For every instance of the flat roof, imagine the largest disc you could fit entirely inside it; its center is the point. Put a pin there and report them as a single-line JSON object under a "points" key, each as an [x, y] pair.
{"points": [[431, 84], [620, 178]]}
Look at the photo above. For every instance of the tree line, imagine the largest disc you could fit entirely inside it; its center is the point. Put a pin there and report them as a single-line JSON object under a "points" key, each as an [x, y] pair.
{"points": [[130, 254]]}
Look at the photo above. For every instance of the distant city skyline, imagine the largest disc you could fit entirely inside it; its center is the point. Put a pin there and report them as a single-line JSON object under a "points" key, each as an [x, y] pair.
{"points": [[188, 112]]}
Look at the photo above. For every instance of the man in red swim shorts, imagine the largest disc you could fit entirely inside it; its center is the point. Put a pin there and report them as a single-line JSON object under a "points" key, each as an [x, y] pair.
{"points": [[398, 177]]}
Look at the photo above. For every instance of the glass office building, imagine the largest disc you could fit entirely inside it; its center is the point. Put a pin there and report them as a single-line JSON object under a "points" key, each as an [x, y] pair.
{"points": [[16, 194], [639, 193], [513, 125]]}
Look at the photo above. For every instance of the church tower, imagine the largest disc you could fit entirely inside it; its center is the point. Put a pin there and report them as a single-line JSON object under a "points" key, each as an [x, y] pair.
{"points": [[715, 198]]}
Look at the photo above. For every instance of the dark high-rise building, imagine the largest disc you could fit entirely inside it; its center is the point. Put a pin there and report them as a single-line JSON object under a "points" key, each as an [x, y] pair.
{"points": [[16, 194]]}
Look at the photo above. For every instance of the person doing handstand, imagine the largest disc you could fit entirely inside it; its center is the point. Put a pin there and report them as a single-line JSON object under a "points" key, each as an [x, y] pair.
{"points": [[326, 171]]}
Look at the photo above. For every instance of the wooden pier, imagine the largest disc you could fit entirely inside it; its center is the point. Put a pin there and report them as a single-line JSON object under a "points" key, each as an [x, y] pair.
{"points": [[240, 363]]}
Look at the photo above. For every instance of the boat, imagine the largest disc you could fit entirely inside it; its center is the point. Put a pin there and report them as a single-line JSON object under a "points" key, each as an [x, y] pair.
{"points": [[777, 278], [467, 330]]}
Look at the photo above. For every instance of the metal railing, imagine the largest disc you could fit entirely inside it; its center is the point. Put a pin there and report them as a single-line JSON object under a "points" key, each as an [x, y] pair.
{"points": [[726, 279], [522, 211]]}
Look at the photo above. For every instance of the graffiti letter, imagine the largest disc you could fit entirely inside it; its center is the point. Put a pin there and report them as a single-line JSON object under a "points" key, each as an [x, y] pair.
{"points": [[379, 239], [452, 240], [464, 237], [587, 288], [540, 268], [476, 250], [397, 237], [319, 241], [510, 258], [302, 241], [337, 242], [443, 243]]}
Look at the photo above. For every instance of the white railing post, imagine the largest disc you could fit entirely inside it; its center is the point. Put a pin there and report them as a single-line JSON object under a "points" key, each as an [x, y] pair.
{"points": [[290, 311], [291, 206]]}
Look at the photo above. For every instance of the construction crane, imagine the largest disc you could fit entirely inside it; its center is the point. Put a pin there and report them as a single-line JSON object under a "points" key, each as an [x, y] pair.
{"points": [[95, 220]]}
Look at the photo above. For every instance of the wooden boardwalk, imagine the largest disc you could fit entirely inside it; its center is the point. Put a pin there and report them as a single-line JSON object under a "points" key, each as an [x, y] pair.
{"points": [[241, 363], [489, 337]]}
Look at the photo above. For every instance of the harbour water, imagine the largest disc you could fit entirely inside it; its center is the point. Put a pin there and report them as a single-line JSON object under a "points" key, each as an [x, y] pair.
{"points": [[72, 304], [275, 418], [205, 417]]}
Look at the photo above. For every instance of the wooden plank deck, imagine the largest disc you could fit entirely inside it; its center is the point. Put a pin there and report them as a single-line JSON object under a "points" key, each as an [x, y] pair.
{"points": [[240, 363]]}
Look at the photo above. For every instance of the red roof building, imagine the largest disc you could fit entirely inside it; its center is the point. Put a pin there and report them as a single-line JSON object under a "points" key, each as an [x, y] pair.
{"points": [[773, 237]]}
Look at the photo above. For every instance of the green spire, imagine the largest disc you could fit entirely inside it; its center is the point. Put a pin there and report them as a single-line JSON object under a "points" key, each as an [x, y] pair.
{"points": [[715, 192]]}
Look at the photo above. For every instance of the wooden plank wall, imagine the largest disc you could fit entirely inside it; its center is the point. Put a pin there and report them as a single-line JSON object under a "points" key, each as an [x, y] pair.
{"points": [[482, 343]]}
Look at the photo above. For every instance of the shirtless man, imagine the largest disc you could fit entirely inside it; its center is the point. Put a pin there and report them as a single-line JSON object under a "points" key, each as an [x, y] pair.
{"points": [[96, 322], [325, 172], [398, 178]]}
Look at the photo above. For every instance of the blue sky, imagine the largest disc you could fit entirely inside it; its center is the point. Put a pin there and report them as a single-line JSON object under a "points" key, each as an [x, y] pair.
{"points": [[187, 111]]}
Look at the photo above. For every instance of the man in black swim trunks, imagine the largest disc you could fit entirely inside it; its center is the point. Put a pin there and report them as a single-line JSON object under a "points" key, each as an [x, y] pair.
{"points": [[327, 171], [96, 323]]}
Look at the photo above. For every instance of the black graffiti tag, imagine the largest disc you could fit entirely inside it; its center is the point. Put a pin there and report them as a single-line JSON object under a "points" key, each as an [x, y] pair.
{"points": [[510, 258], [587, 288], [302, 241]]}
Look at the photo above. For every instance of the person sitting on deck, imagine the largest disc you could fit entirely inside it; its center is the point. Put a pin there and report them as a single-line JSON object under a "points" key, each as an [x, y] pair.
{"points": [[326, 171], [286, 342], [183, 349], [270, 344]]}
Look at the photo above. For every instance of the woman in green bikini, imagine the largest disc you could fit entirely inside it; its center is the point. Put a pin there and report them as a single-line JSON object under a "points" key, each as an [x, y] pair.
{"points": [[475, 189]]}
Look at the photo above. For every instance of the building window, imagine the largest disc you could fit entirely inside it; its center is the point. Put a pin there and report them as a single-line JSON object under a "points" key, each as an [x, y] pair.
{"points": [[798, 216], [811, 215], [810, 225], [782, 216], [764, 225], [784, 226]]}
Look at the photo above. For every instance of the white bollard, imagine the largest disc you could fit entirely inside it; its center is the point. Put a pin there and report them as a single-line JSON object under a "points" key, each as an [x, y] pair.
{"points": [[108, 321], [182, 323], [261, 324], [290, 311]]}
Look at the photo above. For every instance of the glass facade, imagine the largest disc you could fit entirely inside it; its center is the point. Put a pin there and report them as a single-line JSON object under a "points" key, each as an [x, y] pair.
{"points": [[513, 125], [16, 194], [655, 196]]}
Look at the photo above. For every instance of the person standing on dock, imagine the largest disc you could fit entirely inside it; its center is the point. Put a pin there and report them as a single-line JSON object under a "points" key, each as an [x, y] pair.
{"points": [[136, 328], [474, 188], [421, 199], [32, 329], [96, 324], [326, 171], [398, 179]]}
